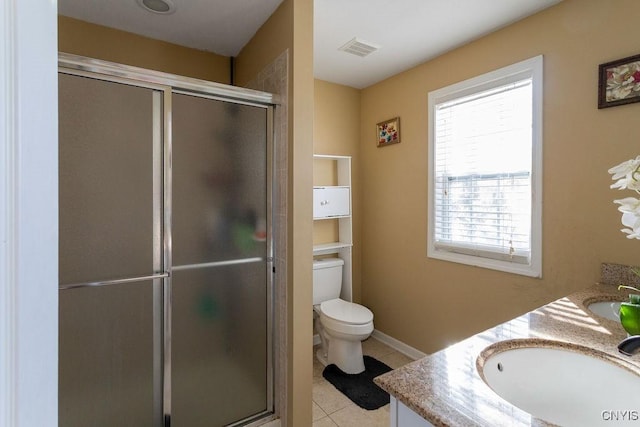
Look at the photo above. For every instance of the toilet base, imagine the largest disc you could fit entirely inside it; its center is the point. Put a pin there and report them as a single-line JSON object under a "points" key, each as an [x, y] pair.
{"points": [[346, 355], [341, 349], [321, 357], [352, 364]]}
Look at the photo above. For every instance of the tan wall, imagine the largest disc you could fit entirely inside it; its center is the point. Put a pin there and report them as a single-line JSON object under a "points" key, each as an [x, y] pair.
{"points": [[336, 130], [301, 237], [428, 303], [293, 21], [275, 36], [96, 41]]}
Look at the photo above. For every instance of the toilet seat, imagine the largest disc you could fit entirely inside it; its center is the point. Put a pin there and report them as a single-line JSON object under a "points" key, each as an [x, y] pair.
{"points": [[346, 312]]}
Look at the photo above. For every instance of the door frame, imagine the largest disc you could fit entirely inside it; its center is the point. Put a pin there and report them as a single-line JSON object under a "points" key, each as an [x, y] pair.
{"points": [[28, 213]]}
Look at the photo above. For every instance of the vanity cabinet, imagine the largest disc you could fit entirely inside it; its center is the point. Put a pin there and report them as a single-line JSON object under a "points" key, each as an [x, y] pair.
{"points": [[402, 416], [332, 214]]}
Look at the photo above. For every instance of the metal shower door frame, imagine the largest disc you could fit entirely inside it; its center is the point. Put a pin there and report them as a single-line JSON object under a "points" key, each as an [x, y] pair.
{"points": [[165, 85]]}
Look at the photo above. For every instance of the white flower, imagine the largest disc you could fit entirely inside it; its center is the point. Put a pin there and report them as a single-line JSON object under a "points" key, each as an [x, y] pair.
{"points": [[632, 221], [629, 205], [630, 208], [618, 91], [627, 175]]}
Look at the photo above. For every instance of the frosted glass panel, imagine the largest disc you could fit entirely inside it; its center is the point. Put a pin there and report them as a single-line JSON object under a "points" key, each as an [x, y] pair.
{"points": [[219, 347], [106, 356], [106, 180], [219, 180], [219, 317]]}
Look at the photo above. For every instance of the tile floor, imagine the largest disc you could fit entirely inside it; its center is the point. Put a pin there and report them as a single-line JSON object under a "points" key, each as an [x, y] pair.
{"points": [[331, 408]]}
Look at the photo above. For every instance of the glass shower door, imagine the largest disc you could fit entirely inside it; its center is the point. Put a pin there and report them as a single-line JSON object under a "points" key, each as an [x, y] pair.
{"points": [[165, 255], [221, 270], [110, 246]]}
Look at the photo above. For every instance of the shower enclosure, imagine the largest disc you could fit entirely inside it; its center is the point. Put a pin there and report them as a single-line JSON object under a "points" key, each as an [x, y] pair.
{"points": [[166, 254]]}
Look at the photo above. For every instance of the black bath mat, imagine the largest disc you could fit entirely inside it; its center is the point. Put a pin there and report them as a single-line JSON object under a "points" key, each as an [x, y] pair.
{"points": [[360, 387]]}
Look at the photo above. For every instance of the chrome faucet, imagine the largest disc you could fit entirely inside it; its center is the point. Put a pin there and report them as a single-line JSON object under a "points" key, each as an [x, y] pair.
{"points": [[629, 345]]}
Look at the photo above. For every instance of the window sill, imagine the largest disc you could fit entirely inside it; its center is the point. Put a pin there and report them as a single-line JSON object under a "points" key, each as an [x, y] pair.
{"points": [[530, 270]]}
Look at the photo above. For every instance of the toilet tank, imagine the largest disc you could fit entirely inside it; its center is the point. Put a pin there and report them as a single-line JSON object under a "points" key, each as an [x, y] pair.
{"points": [[327, 279]]}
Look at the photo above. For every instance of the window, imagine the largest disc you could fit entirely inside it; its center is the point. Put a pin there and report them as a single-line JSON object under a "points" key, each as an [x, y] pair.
{"points": [[485, 165]]}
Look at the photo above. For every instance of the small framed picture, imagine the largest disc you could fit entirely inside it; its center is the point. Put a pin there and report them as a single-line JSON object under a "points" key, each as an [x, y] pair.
{"points": [[619, 82], [388, 132]]}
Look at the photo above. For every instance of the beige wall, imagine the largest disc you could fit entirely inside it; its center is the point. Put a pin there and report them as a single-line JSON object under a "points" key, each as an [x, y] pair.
{"points": [[96, 41], [336, 130], [428, 303], [275, 36], [301, 238], [291, 27]]}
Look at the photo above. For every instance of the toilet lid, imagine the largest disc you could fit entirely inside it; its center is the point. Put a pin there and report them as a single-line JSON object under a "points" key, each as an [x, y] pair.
{"points": [[346, 312]]}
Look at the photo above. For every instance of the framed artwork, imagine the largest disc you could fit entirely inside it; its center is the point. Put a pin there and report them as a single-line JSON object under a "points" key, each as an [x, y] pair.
{"points": [[619, 82], [388, 132]]}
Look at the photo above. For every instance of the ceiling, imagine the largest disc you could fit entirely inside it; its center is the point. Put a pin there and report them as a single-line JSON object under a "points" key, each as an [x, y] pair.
{"points": [[219, 26], [407, 32]]}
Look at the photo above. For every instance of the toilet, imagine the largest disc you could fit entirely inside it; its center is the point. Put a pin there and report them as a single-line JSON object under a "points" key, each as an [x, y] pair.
{"points": [[341, 325]]}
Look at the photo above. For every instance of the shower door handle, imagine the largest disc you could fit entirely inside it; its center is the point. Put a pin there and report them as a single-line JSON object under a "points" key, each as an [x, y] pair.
{"points": [[219, 263], [114, 281]]}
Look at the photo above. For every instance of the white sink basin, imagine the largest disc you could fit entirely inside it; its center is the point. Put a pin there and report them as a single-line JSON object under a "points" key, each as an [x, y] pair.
{"points": [[606, 309], [561, 385]]}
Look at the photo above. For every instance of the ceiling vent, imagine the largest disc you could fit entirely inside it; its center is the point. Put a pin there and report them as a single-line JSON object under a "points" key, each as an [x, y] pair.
{"points": [[358, 47]]}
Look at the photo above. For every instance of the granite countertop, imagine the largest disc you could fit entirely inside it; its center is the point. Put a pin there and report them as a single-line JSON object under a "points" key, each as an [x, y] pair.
{"points": [[446, 389]]}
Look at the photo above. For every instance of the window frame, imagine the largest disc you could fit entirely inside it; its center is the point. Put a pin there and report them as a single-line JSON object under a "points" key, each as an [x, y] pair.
{"points": [[530, 68]]}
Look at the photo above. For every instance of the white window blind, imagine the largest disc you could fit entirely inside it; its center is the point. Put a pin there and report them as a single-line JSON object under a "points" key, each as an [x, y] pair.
{"points": [[482, 168]]}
